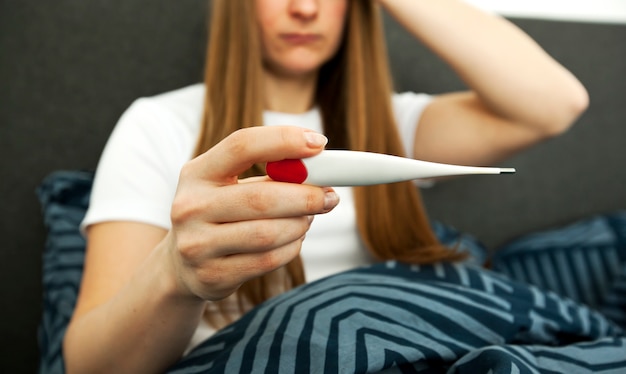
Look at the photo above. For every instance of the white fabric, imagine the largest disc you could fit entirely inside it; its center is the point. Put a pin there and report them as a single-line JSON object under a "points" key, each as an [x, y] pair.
{"points": [[138, 173]]}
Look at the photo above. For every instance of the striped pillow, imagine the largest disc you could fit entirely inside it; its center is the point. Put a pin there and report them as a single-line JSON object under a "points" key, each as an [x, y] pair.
{"points": [[64, 197], [584, 261]]}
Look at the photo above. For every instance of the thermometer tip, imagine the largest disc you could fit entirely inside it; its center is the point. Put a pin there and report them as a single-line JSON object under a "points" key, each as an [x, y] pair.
{"points": [[507, 170]]}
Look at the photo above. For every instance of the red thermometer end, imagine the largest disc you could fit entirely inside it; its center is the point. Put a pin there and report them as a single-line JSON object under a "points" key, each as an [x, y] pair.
{"points": [[292, 171]]}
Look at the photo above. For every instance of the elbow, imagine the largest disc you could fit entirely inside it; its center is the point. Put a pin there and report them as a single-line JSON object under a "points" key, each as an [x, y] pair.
{"points": [[580, 102], [571, 106], [575, 105]]}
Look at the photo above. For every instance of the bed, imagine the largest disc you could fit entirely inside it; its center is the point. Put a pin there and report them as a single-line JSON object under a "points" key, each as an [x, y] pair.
{"points": [[70, 68]]}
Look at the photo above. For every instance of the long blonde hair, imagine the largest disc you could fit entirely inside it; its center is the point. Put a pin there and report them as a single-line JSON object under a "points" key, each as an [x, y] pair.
{"points": [[354, 96]]}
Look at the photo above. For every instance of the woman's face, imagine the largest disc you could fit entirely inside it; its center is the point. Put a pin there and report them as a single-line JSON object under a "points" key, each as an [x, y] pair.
{"points": [[298, 36]]}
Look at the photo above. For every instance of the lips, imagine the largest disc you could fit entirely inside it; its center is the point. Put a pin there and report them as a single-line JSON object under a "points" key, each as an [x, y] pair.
{"points": [[300, 38]]}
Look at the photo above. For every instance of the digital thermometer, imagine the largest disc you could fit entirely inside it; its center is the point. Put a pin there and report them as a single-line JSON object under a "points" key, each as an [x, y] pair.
{"points": [[353, 168]]}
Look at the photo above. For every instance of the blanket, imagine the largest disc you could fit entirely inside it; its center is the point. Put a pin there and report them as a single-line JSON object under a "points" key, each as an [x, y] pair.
{"points": [[394, 317]]}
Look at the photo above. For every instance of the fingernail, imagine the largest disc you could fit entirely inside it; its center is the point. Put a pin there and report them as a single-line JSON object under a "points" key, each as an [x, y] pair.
{"points": [[310, 218], [315, 140], [331, 199]]}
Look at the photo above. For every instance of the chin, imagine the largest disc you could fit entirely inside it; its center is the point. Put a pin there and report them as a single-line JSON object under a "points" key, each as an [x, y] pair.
{"points": [[302, 70], [295, 71], [300, 64]]}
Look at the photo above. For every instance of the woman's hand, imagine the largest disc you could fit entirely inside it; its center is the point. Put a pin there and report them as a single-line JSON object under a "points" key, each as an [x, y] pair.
{"points": [[226, 231], [143, 287]]}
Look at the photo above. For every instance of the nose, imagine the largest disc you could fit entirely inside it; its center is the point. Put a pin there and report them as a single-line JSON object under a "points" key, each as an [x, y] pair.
{"points": [[304, 9]]}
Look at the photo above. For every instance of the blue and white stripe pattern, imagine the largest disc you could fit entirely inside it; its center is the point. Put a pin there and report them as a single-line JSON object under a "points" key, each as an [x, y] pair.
{"points": [[411, 319], [64, 197], [390, 317], [585, 261]]}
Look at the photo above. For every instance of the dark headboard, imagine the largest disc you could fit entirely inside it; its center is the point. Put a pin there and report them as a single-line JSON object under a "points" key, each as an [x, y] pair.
{"points": [[68, 69]]}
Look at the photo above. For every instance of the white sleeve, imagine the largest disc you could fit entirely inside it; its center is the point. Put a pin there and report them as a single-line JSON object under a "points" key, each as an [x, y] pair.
{"points": [[408, 108], [138, 171]]}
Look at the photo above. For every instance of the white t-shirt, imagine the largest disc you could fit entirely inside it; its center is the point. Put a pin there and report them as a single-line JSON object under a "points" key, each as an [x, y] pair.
{"points": [[138, 173]]}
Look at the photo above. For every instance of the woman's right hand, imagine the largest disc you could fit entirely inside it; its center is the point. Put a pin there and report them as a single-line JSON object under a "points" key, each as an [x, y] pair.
{"points": [[226, 231], [143, 288]]}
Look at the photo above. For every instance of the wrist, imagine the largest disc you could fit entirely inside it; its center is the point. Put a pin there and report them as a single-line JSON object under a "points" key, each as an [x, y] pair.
{"points": [[170, 274]]}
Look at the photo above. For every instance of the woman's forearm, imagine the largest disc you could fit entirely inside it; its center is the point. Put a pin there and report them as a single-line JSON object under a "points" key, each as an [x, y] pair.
{"points": [[143, 329], [512, 75]]}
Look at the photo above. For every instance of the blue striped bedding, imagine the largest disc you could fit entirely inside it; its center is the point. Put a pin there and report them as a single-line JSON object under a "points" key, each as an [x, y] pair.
{"points": [[393, 317], [584, 261], [442, 318]]}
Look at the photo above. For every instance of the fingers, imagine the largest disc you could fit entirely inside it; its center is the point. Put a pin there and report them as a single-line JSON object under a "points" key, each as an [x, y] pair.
{"points": [[251, 265], [219, 258], [220, 277], [246, 147], [248, 237], [252, 201]]}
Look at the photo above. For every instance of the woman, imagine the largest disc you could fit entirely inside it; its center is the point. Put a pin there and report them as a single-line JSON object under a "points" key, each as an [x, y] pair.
{"points": [[172, 232]]}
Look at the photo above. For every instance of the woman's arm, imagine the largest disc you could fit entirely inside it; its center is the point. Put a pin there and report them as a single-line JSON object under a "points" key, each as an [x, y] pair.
{"points": [[144, 288], [129, 315], [519, 94]]}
